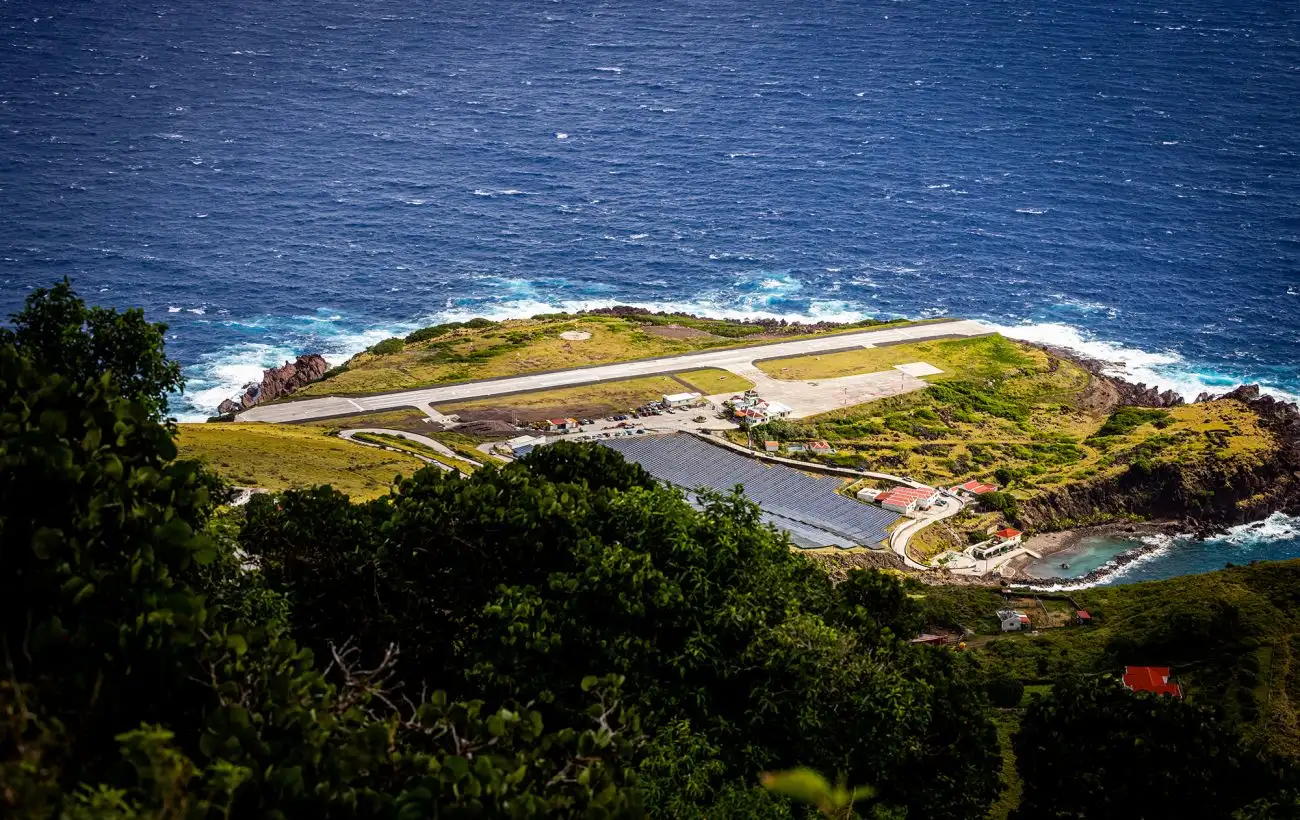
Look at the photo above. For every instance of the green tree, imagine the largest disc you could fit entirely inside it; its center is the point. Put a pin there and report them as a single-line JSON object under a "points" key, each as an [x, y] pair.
{"points": [[61, 335], [874, 601], [134, 688], [1095, 749], [510, 582]]}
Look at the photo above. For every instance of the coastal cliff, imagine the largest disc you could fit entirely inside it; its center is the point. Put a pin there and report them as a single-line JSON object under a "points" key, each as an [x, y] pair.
{"points": [[277, 382], [1206, 494]]}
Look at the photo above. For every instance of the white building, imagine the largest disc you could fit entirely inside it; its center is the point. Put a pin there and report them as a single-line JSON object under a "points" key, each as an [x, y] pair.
{"points": [[680, 399], [1013, 620], [868, 494], [777, 410], [907, 500]]}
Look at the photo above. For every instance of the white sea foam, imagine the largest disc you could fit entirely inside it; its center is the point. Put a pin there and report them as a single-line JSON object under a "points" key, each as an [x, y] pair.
{"points": [[1277, 527], [560, 135], [1166, 369], [173, 309], [1035, 211]]}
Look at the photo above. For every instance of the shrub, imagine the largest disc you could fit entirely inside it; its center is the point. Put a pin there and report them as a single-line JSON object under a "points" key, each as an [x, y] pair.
{"points": [[1127, 419], [386, 347], [1005, 692]]}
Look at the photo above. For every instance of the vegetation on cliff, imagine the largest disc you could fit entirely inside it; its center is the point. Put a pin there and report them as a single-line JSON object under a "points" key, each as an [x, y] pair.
{"points": [[559, 637]]}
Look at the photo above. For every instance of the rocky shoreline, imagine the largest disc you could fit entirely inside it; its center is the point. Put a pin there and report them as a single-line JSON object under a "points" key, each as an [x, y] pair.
{"points": [[277, 382]]}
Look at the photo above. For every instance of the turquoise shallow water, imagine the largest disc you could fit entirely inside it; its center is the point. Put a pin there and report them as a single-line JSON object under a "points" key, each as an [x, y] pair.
{"points": [[1089, 554], [1275, 538]]}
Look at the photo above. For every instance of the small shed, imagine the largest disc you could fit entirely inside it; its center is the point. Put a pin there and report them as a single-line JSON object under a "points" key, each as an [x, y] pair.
{"points": [[1013, 620], [680, 399], [1082, 618]]}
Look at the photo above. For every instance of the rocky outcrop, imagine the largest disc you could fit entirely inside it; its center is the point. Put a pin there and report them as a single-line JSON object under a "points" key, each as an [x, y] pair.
{"points": [[1139, 395], [1206, 496], [1133, 395], [277, 382]]}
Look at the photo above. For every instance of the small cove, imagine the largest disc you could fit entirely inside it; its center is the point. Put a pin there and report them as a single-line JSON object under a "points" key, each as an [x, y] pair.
{"points": [[1102, 560]]}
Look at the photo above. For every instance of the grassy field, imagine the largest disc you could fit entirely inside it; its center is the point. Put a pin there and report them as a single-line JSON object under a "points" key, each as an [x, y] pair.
{"points": [[594, 400], [280, 457], [481, 349], [1014, 415], [415, 447], [1232, 638], [977, 357], [711, 381], [409, 420]]}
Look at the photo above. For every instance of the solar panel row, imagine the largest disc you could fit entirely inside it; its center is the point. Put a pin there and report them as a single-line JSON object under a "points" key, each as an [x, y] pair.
{"points": [[781, 491]]}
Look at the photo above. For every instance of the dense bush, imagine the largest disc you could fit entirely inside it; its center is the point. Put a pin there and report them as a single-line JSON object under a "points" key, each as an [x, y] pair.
{"points": [[150, 672], [386, 347], [1127, 419], [1095, 749]]}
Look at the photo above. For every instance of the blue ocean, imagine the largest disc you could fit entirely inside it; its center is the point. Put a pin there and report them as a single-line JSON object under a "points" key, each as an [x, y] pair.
{"points": [[279, 178]]}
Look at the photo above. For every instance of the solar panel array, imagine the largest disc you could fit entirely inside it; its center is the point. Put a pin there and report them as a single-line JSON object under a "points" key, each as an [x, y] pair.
{"points": [[808, 502]]}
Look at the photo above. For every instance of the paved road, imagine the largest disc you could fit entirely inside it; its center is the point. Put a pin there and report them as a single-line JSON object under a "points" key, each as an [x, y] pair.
{"points": [[738, 360], [436, 446], [947, 507]]}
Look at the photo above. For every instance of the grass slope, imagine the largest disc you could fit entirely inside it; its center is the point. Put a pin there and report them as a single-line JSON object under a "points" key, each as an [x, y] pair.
{"points": [[280, 457]]}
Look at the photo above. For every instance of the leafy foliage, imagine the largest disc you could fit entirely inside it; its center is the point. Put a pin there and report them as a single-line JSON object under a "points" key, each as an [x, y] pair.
{"points": [[61, 335], [1094, 749], [570, 562], [1127, 419]]}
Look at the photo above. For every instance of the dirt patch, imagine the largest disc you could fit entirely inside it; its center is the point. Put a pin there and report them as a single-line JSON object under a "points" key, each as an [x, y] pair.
{"points": [[677, 332], [837, 564], [575, 335], [526, 415], [487, 428]]}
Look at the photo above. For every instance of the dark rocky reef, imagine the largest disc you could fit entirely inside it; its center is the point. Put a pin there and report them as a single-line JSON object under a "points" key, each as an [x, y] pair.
{"points": [[277, 382], [1205, 496]]}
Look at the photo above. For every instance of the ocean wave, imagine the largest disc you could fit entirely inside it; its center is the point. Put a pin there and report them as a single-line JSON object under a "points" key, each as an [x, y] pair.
{"points": [[224, 373]]}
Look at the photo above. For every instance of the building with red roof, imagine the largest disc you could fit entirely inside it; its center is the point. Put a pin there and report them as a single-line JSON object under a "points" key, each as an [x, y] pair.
{"points": [[1151, 679], [976, 488], [907, 499], [771, 446]]}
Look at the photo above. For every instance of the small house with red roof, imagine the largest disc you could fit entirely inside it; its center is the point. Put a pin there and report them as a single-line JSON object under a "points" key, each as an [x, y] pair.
{"points": [[1153, 679], [974, 488], [1082, 618], [820, 446], [562, 425], [771, 446]]}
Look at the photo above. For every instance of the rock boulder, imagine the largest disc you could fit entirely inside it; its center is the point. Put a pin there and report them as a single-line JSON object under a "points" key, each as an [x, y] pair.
{"points": [[277, 382]]}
